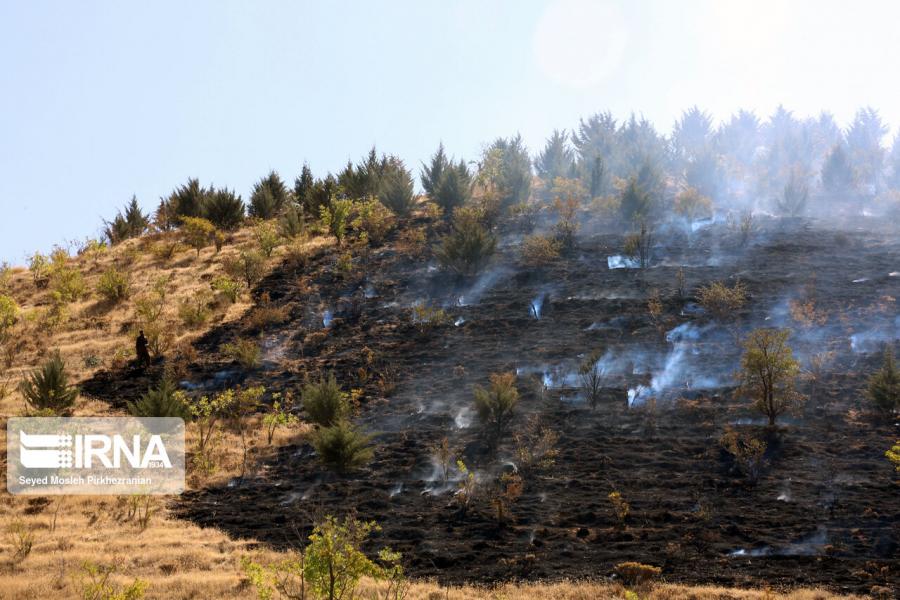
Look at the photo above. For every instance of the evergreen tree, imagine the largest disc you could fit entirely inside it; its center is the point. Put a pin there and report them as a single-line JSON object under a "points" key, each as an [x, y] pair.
{"points": [[163, 401], [188, 200], [864, 146], [269, 197], [884, 386], [598, 177], [556, 159], [47, 389], [303, 186], [131, 224], [837, 173], [431, 174], [454, 188], [506, 169], [224, 209], [396, 190]]}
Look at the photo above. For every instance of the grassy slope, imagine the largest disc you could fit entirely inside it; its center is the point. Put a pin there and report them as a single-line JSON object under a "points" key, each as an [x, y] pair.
{"points": [[178, 559]]}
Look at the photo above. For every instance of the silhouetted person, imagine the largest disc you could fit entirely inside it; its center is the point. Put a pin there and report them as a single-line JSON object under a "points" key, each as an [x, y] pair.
{"points": [[140, 348]]}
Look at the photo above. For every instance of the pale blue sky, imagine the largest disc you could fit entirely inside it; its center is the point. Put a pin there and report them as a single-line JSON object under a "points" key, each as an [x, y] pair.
{"points": [[102, 100]]}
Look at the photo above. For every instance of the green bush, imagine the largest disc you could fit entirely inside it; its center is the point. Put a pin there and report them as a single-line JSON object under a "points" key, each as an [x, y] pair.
{"points": [[324, 402], [9, 314], [469, 247], [197, 232], [373, 220], [194, 311], [228, 287], [40, 269], [335, 218], [342, 448], [267, 238], [495, 406], [163, 401], [884, 386], [66, 281], [248, 266], [114, 285], [245, 352], [47, 388], [291, 224]]}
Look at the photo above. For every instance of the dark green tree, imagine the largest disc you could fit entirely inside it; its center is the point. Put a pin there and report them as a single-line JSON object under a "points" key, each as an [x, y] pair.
{"points": [[556, 159], [224, 209], [454, 188], [188, 200], [884, 386], [432, 173], [396, 189], [131, 223], [162, 401], [303, 186], [47, 389], [837, 173], [269, 197]]}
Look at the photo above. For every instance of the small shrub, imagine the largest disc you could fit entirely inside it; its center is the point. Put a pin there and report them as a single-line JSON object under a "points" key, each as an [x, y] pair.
{"points": [[165, 249], [540, 250], [469, 247], [266, 236], [47, 389], [638, 245], [39, 266], [342, 448], [768, 372], [9, 314], [722, 301], [114, 285], [566, 224], [324, 402], [621, 508], [248, 266], [244, 352], [228, 287], [267, 315], [591, 379], [67, 282], [468, 487], [893, 454], [428, 318], [163, 401], [93, 583], [207, 414], [792, 202], [691, 204], [374, 220], [21, 539], [635, 573], [535, 446], [747, 451], [197, 232], [291, 224], [194, 311], [336, 217], [495, 406], [279, 415], [884, 386]]}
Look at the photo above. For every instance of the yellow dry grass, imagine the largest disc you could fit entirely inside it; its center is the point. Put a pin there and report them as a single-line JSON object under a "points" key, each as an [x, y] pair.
{"points": [[178, 559]]}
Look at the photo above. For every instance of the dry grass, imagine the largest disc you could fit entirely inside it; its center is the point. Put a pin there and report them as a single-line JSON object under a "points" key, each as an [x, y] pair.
{"points": [[177, 558]]}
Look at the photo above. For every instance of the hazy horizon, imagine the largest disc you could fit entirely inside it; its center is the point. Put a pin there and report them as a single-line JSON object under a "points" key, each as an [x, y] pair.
{"points": [[117, 100]]}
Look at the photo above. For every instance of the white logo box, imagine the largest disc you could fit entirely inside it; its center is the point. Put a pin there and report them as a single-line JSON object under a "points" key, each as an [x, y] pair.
{"points": [[95, 455]]}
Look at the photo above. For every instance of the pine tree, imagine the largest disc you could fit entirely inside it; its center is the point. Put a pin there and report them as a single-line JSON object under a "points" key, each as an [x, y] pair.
{"points": [[454, 188], [47, 389], [303, 186], [431, 174], [884, 386], [188, 200], [163, 401], [269, 197], [224, 209], [556, 159], [837, 173], [396, 190]]}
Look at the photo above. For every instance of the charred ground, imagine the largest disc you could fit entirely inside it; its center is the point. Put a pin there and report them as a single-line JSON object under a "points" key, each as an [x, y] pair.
{"points": [[824, 512]]}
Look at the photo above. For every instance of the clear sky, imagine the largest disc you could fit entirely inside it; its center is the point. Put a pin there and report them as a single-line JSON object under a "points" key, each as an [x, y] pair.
{"points": [[102, 100]]}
